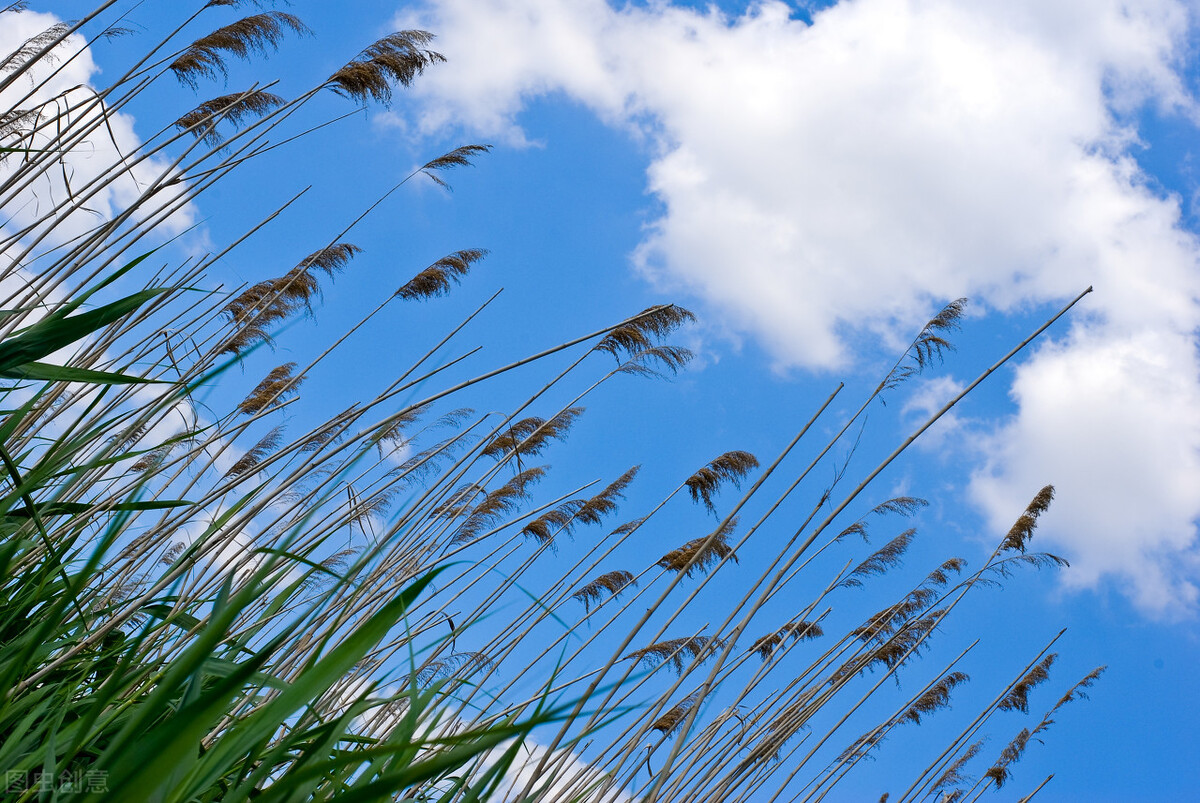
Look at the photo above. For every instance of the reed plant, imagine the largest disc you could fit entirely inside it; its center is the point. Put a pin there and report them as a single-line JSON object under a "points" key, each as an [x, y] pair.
{"points": [[201, 604]]}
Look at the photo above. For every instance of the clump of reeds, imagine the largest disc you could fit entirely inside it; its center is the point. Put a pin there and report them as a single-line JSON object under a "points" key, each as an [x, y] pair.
{"points": [[218, 601]]}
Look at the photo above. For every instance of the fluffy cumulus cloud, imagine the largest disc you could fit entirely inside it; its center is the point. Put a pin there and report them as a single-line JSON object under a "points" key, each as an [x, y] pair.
{"points": [[851, 173]]}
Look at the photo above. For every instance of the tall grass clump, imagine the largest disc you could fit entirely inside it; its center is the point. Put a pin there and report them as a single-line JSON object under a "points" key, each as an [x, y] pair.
{"points": [[203, 602]]}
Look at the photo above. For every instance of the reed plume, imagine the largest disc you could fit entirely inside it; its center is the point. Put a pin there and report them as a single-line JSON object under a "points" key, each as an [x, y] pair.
{"points": [[275, 387], [234, 108], [545, 527], [643, 332], [1001, 770], [1019, 535], [671, 721], [955, 774], [256, 34], [265, 446], [880, 561], [438, 278], [936, 697], [929, 346], [701, 553], [34, 45], [604, 503], [397, 58], [765, 646], [674, 651], [530, 436], [611, 583], [458, 157], [498, 503], [1018, 698], [730, 467]]}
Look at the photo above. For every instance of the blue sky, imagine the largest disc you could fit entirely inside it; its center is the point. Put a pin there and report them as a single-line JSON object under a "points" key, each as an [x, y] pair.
{"points": [[815, 182]]}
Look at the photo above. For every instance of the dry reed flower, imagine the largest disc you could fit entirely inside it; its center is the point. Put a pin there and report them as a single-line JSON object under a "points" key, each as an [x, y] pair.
{"points": [[611, 583], [929, 345], [247, 462], [641, 333], [545, 527], [331, 259], [152, 459], [530, 436], [730, 467], [604, 503], [257, 33], [34, 45], [396, 58], [202, 120], [700, 553], [498, 503], [674, 651], [954, 775], [275, 387], [794, 631], [934, 698], [670, 722], [459, 157], [884, 558], [1018, 698], [437, 279], [657, 361], [458, 663], [1001, 770], [782, 728], [1021, 532]]}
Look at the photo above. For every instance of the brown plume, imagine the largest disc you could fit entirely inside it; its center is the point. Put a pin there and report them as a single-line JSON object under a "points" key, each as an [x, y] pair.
{"points": [[669, 722], [673, 651], [934, 698], [1001, 770], [459, 664], [611, 583], [700, 553], [642, 333], [1022, 530], [657, 361], [278, 385], [795, 631], [1018, 698], [604, 503], [881, 560], [929, 345], [459, 157], [530, 436], [954, 773], [235, 108], [258, 33], [397, 58], [34, 45], [269, 443], [729, 467], [497, 504], [437, 279], [547, 526]]}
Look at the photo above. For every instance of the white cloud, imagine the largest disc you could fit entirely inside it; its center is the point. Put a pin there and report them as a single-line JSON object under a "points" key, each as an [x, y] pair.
{"points": [[62, 87], [564, 777], [853, 174]]}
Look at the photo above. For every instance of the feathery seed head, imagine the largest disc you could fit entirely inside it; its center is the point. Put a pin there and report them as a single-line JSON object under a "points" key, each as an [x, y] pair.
{"points": [[258, 33], [397, 58], [730, 467]]}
